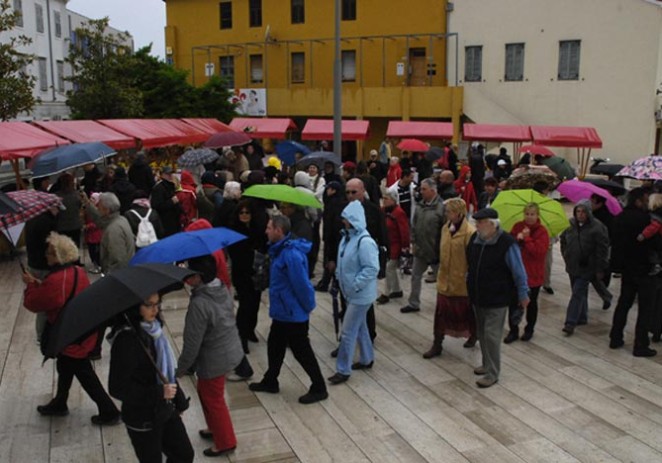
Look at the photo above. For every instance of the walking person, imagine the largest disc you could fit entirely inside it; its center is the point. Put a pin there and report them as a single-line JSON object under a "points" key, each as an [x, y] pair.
{"points": [[397, 225], [164, 200], [69, 222]]}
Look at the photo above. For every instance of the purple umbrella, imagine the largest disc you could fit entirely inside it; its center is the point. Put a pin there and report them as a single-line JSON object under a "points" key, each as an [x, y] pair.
{"points": [[576, 190]]}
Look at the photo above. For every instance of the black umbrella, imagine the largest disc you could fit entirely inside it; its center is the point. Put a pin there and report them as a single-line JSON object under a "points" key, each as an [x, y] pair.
{"points": [[319, 158], [110, 296], [434, 154], [610, 170], [612, 187], [334, 290]]}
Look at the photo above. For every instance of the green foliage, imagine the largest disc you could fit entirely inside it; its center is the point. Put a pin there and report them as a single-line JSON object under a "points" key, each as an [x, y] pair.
{"points": [[214, 100], [15, 83]]}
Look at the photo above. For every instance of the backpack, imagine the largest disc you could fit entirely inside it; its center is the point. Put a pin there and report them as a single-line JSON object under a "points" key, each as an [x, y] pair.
{"points": [[146, 234]]}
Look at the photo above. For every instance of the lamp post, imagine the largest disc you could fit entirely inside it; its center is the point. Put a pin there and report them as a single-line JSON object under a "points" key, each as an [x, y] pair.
{"points": [[337, 86]]}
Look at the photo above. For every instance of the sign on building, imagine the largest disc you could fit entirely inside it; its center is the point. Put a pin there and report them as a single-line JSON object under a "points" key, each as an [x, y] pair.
{"points": [[209, 69], [250, 101]]}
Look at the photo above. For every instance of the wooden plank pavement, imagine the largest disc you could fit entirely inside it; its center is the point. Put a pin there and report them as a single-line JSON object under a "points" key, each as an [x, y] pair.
{"points": [[559, 399]]}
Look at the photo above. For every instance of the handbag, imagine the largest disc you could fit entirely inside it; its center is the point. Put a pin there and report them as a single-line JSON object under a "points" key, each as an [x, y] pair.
{"points": [[46, 333]]}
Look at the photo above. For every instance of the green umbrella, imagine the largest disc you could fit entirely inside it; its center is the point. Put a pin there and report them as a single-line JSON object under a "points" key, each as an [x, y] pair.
{"points": [[561, 167], [283, 193], [510, 206]]}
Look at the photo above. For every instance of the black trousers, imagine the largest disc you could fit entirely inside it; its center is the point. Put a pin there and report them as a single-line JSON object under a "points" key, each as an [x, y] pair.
{"points": [[646, 288], [67, 368], [315, 250], [169, 439], [295, 336], [515, 312], [249, 305]]}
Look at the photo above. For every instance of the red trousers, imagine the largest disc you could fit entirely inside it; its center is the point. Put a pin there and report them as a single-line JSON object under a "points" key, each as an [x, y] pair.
{"points": [[217, 415]]}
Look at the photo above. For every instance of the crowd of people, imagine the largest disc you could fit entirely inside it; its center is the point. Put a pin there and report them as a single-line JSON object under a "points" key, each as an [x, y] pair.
{"points": [[429, 219]]}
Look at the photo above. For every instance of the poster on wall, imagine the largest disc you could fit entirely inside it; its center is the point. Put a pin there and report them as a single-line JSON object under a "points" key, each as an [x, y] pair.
{"points": [[250, 101]]}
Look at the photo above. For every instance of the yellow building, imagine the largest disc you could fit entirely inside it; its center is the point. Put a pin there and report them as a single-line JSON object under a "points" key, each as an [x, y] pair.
{"points": [[393, 56]]}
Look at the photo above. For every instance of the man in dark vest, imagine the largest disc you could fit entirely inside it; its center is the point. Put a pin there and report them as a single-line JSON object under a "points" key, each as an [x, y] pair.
{"points": [[165, 202], [496, 273]]}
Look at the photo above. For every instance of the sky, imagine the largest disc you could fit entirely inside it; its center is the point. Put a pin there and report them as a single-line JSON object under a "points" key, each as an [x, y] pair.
{"points": [[143, 19]]}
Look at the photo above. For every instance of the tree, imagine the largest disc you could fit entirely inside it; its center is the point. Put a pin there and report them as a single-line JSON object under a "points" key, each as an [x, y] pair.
{"points": [[214, 100], [104, 87], [15, 83]]}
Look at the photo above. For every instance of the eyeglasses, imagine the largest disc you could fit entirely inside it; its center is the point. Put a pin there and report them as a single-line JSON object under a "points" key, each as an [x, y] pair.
{"points": [[152, 305], [351, 192], [244, 212]]}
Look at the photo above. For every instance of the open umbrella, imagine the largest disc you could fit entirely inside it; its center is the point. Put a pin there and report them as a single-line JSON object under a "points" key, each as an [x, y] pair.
{"points": [[110, 296], [576, 190], [187, 245], [283, 193], [648, 168], [319, 158], [221, 139], [536, 149], [32, 203], [414, 145], [197, 157], [288, 148], [66, 157], [510, 206], [616, 189], [434, 154], [8, 205], [560, 166], [334, 289]]}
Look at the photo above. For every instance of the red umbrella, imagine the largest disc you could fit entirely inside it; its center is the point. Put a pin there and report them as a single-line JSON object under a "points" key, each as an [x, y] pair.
{"points": [[537, 149], [32, 203], [221, 139], [414, 145]]}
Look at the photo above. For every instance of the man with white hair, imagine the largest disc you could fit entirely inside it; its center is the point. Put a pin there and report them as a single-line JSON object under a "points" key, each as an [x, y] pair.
{"points": [[495, 273]]}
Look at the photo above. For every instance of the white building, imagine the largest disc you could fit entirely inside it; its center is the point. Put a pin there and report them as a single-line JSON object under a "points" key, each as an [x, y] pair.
{"points": [[594, 63], [51, 26]]}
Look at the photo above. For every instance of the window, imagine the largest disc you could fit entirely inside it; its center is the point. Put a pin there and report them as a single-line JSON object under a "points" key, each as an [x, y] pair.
{"points": [[256, 69], [569, 59], [473, 64], [348, 10], [39, 10], [298, 68], [58, 24], [514, 62], [227, 70], [43, 77], [18, 7], [348, 58], [60, 76], [255, 13], [226, 15], [298, 12]]}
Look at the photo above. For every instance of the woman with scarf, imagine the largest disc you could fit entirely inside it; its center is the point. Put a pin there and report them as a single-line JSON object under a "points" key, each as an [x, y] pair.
{"points": [[152, 401], [454, 316]]}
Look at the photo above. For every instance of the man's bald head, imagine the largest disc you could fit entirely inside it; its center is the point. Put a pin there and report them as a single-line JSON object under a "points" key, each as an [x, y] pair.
{"points": [[446, 177], [355, 189]]}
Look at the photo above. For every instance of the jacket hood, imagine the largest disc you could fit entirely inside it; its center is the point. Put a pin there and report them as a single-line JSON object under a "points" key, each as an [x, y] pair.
{"points": [[200, 224], [355, 215], [586, 205], [301, 179], [187, 179]]}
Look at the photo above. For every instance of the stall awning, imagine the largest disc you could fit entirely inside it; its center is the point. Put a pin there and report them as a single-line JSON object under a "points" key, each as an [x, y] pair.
{"points": [[190, 134], [208, 126], [22, 140], [414, 129], [496, 132], [267, 127], [571, 137], [151, 132], [322, 129], [87, 131]]}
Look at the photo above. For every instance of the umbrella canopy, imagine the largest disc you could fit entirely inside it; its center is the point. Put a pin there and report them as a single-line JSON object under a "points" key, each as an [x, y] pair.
{"points": [[616, 189], [526, 180], [221, 139], [576, 190], [319, 158], [536, 149], [67, 157], [283, 193], [8, 205], [434, 154], [187, 245], [32, 202], [561, 167], [110, 296], [287, 149], [648, 168], [197, 157], [510, 206], [413, 144]]}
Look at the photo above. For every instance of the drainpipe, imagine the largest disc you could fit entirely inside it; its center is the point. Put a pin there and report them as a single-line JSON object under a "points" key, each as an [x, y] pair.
{"points": [[50, 47], [449, 8]]}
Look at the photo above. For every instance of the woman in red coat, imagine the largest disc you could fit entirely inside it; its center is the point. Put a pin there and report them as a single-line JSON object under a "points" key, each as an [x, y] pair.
{"points": [[65, 281], [397, 229], [533, 240], [394, 171]]}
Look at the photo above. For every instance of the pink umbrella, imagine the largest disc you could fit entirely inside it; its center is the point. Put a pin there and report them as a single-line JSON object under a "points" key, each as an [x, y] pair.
{"points": [[536, 149], [221, 139], [576, 190], [414, 145]]}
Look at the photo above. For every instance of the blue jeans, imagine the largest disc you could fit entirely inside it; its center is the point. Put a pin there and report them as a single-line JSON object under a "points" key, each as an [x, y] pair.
{"points": [[577, 313], [354, 328]]}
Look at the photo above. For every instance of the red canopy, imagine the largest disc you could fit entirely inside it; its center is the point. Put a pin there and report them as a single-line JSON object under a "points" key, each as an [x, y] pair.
{"points": [[496, 132], [208, 126], [87, 131], [413, 129], [263, 127], [191, 134], [573, 137], [20, 139], [322, 129], [152, 132]]}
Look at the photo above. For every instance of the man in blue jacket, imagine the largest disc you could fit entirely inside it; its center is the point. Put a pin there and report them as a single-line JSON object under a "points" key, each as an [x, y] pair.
{"points": [[291, 299]]}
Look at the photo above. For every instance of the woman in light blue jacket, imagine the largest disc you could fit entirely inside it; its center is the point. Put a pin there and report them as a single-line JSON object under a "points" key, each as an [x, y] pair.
{"points": [[357, 269]]}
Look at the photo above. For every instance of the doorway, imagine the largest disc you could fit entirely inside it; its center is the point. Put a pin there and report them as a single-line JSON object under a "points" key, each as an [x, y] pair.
{"points": [[418, 68]]}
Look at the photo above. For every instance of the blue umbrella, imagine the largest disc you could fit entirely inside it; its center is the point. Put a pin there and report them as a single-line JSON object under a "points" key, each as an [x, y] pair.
{"points": [[187, 245], [288, 148], [67, 157], [319, 158]]}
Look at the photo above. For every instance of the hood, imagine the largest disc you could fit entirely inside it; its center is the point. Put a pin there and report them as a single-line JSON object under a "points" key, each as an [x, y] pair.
{"points": [[200, 224], [355, 215], [301, 179], [187, 179], [586, 205]]}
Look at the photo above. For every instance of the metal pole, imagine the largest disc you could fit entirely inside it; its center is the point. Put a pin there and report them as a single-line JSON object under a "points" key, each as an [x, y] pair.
{"points": [[193, 66], [337, 86], [310, 58], [383, 62], [208, 61]]}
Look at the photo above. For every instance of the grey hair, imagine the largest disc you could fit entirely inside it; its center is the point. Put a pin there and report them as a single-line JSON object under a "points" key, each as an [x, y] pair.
{"points": [[429, 182], [109, 201], [393, 195], [495, 222], [282, 222], [232, 190]]}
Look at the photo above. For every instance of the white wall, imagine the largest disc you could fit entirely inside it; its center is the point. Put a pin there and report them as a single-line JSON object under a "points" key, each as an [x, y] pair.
{"points": [[620, 67]]}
